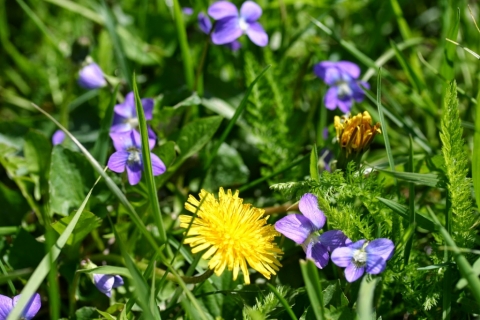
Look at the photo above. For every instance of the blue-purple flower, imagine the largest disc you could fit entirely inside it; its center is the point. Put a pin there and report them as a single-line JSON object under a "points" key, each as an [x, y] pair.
{"points": [[342, 77], [7, 304], [125, 116], [363, 256], [187, 11], [58, 137], [128, 156], [106, 282], [304, 229], [231, 25], [206, 26], [91, 77]]}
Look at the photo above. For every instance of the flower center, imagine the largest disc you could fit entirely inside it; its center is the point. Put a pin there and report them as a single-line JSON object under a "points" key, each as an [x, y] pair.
{"points": [[312, 238], [243, 24], [343, 89], [359, 258], [133, 156], [133, 122]]}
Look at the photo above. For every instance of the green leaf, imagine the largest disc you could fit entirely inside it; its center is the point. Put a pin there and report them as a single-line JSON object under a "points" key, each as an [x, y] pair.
{"points": [[421, 220], [13, 208], [69, 174], [87, 222], [462, 283], [108, 270], [166, 152]]}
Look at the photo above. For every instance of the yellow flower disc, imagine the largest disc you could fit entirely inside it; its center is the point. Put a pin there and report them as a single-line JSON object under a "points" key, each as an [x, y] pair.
{"points": [[234, 233]]}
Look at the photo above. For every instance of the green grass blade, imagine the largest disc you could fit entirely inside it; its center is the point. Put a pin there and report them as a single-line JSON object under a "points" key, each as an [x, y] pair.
{"points": [[142, 290], [422, 221], [411, 75], [6, 278], [110, 183], [101, 145], [426, 179], [77, 8], [184, 47], [44, 266], [284, 302], [365, 302], [314, 288], [314, 164], [231, 123], [447, 67], [476, 153], [465, 268], [382, 121], [411, 202], [147, 165], [117, 45]]}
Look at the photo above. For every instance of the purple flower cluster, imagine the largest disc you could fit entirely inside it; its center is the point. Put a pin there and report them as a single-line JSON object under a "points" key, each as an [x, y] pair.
{"points": [[7, 304], [231, 24], [342, 77], [127, 140], [356, 257]]}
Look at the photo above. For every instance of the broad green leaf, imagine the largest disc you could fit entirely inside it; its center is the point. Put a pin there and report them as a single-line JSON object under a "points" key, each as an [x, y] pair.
{"points": [[421, 220], [87, 222], [69, 174], [13, 206]]}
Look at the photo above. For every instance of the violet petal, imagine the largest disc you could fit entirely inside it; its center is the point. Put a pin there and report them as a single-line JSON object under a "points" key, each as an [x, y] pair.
{"points": [[317, 252], [226, 30], [350, 68], [32, 306], [257, 34], [250, 11], [91, 77], [342, 256], [118, 161], [6, 306], [330, 99], [309, 208], [158, 167], [380, 247], [352, 273], [222, 9], [118, 281], [375, 264], [122, 140], [204, 23], [58, 137], [344, 104], [134, 173], [147, 104], [333, 239], [104, 283], [295, 227]]}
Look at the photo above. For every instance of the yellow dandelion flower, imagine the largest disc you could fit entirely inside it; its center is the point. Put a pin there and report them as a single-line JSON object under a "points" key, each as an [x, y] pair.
{"points": [[355, 133], [234, 233]]}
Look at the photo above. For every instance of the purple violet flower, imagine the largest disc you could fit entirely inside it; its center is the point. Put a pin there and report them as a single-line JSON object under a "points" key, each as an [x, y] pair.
{"points": [[31, 309], [58, 137], [363, 255], [91, 77], [326, 156], [231, 25], [342, 77], [106, 282], [129, 155], [125, 115], [205, 25], [187, 11], [304, 229]]}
